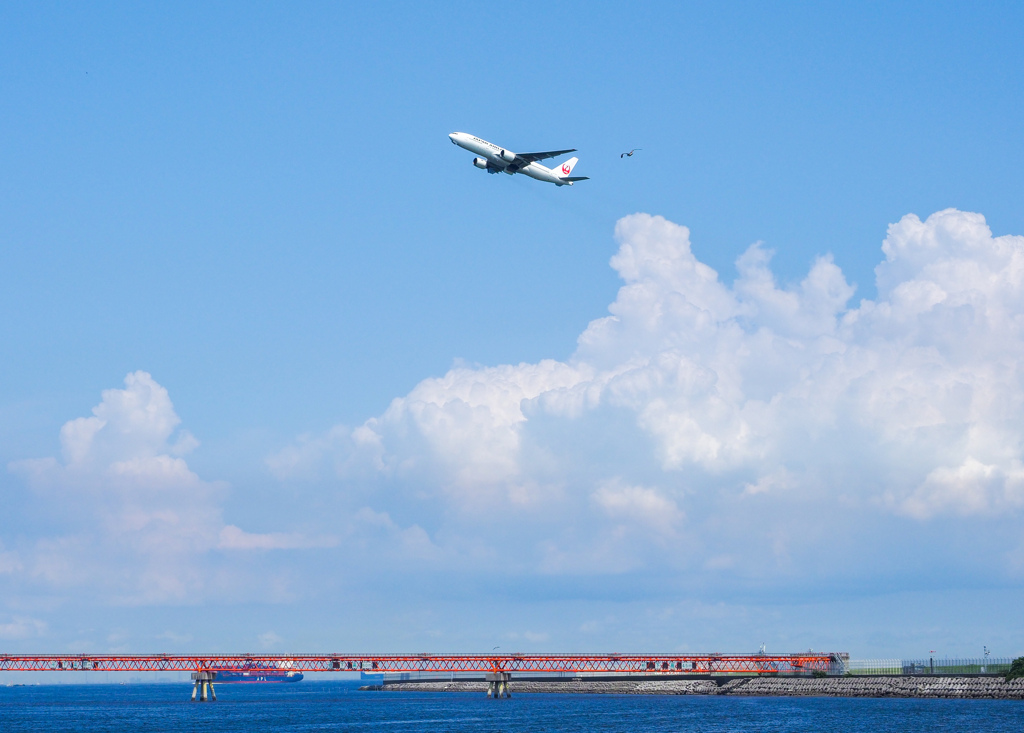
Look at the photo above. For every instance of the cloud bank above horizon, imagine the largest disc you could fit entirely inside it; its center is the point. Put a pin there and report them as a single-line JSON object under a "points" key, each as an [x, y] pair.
{"points": [[703, 437]]}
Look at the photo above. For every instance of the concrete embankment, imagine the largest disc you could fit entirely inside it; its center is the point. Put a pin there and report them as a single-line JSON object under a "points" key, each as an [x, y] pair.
{"points": [[937, 686]]}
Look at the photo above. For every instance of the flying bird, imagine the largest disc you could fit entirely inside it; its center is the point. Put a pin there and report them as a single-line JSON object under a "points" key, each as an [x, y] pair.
{"points": [[630, 153]]}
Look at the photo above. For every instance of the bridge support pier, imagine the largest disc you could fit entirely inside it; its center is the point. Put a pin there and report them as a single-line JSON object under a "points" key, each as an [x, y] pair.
{"points": [[497, 685], [204, 682]]}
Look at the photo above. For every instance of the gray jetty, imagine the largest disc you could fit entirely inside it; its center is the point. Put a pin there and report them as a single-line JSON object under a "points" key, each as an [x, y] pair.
{"points": [[853, 686]]}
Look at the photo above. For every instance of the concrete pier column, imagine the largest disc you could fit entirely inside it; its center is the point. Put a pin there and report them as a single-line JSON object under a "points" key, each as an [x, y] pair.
{"points": [[203, 686], [497, 685]]}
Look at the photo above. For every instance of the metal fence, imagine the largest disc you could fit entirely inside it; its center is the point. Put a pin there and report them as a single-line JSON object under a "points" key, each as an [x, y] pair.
{"points": [[931, 665]]}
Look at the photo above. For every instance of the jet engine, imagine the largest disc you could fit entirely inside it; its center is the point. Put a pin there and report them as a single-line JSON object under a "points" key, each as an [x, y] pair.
{"points": [[507, 155], [486, 165]]}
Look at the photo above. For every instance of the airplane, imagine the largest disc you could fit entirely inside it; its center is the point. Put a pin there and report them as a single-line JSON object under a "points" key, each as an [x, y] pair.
{"points": [[498, 160]]}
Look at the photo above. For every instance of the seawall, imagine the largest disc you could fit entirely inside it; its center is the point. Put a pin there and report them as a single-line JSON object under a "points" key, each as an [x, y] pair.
{"points": [[909, 686]]}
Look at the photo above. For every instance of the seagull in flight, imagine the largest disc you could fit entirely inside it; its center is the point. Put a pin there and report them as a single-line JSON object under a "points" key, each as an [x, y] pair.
{"points": [[630, 153]]}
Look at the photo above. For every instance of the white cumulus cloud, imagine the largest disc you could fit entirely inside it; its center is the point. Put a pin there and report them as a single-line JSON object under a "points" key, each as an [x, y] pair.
{"points": [[132, 519], [702, 410], [638, 504], [120, 473]]}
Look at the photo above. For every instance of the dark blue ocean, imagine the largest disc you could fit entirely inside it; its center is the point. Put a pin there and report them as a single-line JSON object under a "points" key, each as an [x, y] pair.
{"points": [[334, 706]]}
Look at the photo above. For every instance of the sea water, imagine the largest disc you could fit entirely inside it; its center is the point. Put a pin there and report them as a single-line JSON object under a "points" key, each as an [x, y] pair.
{"points": [[340, 706]]}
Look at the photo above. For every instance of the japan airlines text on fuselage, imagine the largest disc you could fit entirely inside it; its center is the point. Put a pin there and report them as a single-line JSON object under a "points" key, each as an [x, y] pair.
{"points": [[501, 160]]}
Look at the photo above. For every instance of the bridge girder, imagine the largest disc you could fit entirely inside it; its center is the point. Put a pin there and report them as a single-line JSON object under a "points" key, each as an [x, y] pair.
{"points": [[533, 663]]}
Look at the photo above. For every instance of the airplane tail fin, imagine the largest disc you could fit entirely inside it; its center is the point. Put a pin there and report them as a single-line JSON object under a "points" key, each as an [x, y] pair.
{"points": [[566, 168]]}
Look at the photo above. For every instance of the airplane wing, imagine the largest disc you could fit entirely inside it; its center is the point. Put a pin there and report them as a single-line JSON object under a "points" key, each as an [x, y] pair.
{"points": [[534, 157]]}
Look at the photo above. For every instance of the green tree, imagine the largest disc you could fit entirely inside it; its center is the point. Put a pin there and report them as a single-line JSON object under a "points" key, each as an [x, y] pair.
{"points": [[1016, 669]]}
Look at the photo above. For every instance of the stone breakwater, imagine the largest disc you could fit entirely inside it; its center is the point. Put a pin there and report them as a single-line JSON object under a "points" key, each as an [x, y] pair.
{"points": [[948, 687]]}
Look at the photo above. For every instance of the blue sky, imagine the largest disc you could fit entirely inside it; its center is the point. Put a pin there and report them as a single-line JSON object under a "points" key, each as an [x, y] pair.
{"points": [[366, 391]]}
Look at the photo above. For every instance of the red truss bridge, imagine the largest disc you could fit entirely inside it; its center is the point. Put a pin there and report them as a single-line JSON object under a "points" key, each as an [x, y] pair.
{"points": [[699, 664]]}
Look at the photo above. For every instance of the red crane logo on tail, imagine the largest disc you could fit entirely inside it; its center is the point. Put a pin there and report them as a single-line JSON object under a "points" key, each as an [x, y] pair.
{"points": [[566, 169]]}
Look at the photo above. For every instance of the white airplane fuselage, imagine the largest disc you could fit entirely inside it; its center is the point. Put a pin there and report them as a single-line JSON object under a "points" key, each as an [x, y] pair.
{"points": [[495, 159]]}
